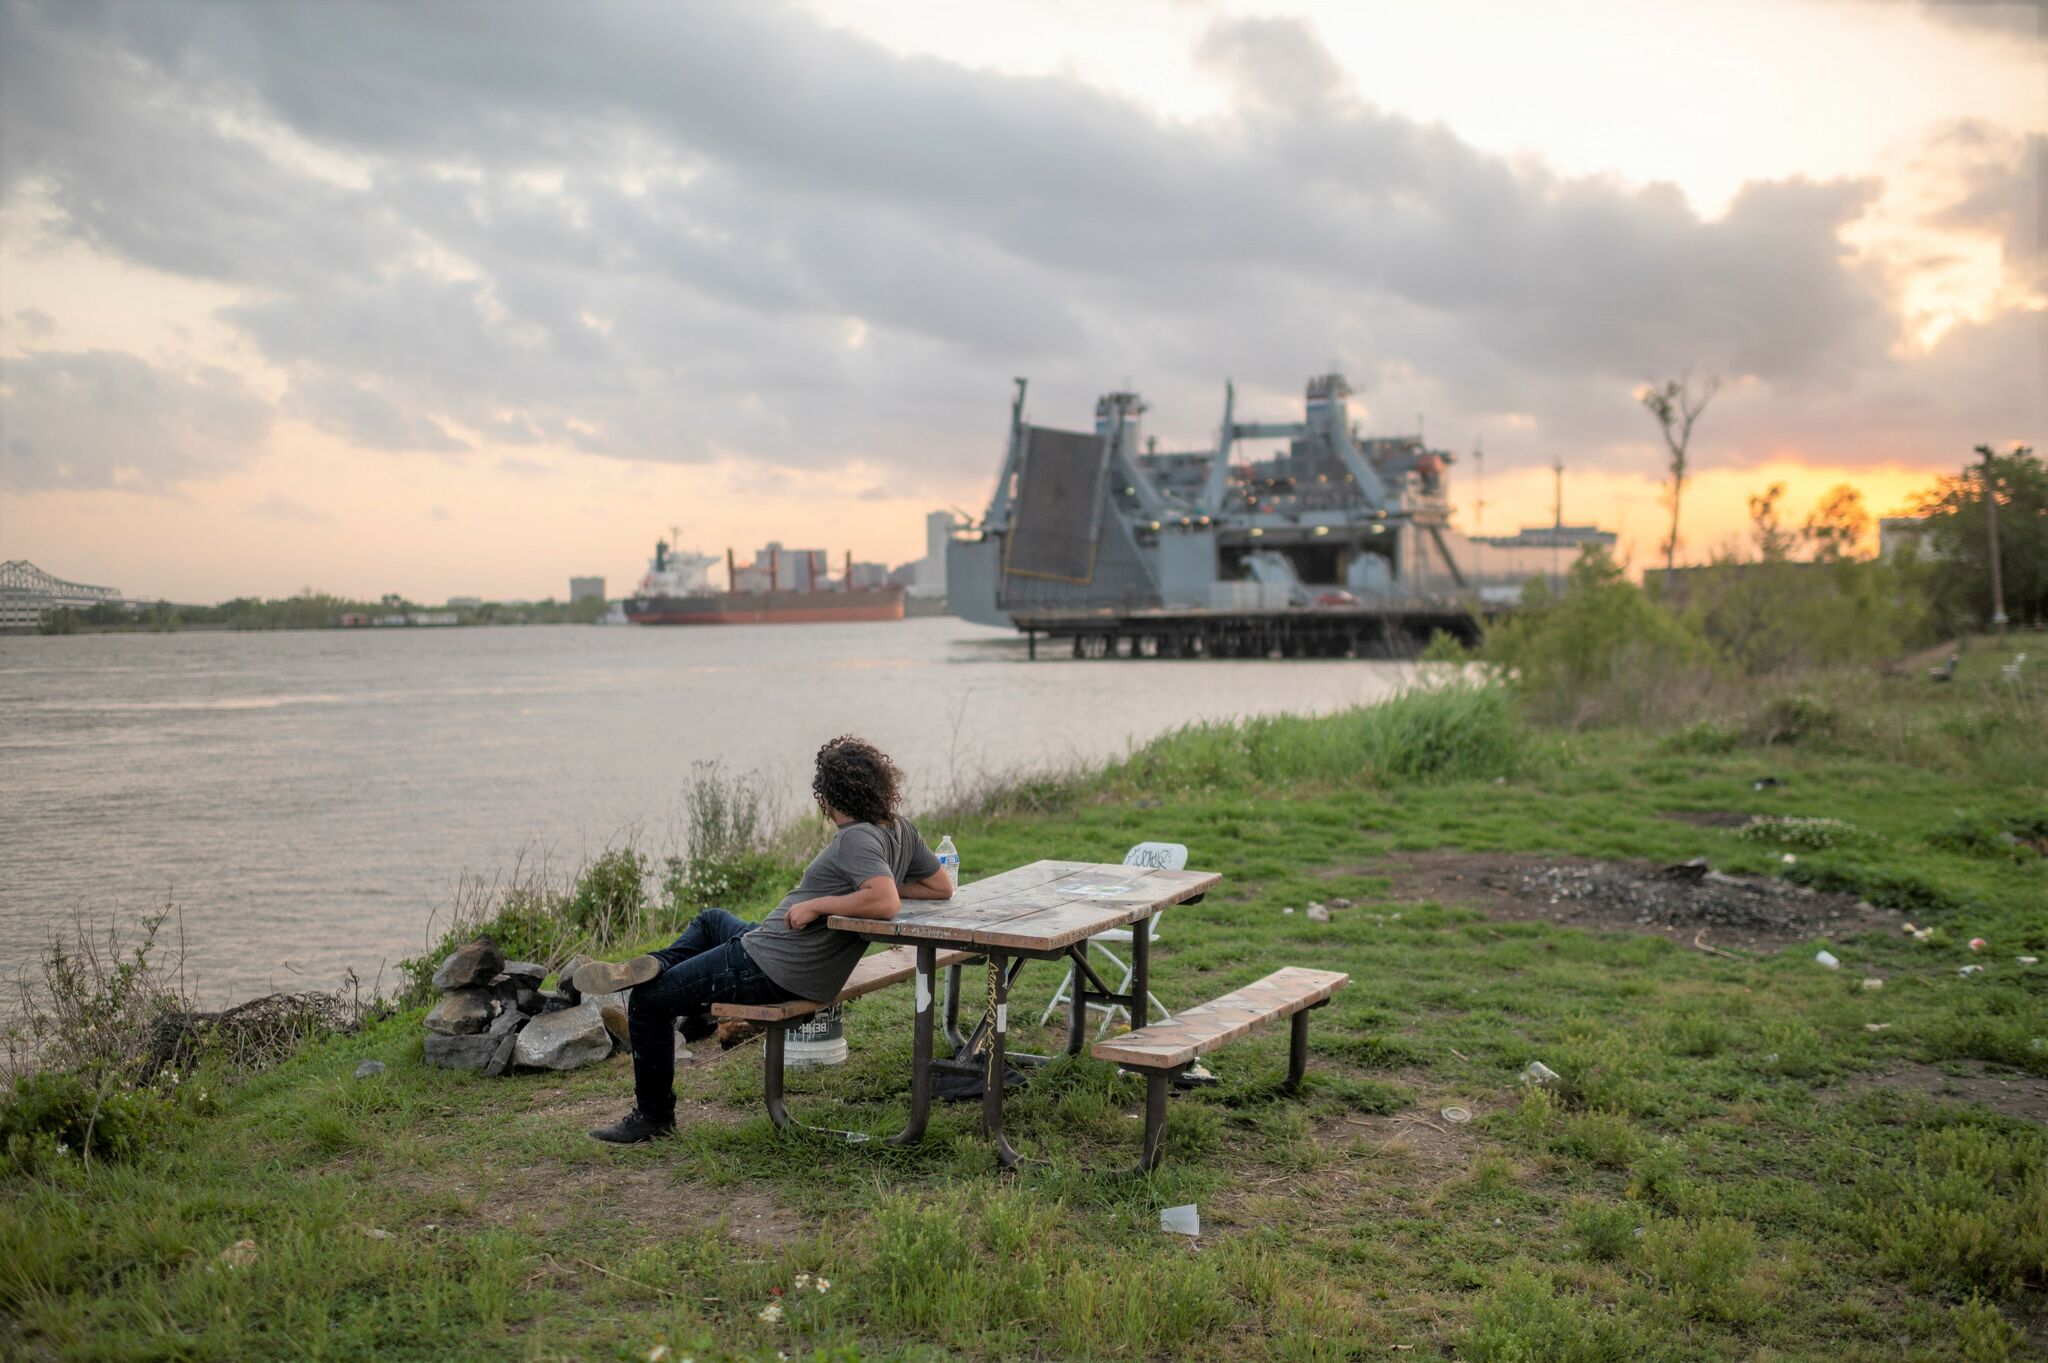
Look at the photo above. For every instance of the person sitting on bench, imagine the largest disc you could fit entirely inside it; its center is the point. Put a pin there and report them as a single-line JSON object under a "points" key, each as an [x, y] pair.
{"points": [[875, 860]]}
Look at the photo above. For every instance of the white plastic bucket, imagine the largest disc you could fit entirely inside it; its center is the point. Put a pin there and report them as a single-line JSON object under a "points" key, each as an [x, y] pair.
{"points": [[820, 1041]]}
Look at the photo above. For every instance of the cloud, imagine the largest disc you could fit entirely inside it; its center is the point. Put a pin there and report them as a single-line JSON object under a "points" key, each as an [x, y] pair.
{"points": [[279, 508], [35, 323], [96, 418], [421, 209], [1999, 20]]}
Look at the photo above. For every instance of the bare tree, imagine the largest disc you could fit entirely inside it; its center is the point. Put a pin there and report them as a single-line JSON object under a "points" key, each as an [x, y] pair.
{"points": [[1676, 408]]}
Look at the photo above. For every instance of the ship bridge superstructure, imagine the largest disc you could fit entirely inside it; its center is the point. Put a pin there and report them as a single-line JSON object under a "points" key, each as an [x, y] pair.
{"points": [[1100, 519]]}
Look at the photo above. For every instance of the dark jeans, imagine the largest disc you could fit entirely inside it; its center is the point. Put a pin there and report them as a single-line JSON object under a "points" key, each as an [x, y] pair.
{"points": [[708, 964]]}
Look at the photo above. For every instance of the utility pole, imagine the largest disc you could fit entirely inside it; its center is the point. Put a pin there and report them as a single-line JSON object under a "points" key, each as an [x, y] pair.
{"points": [[1479, 513], [1556, 522], [1991, 531]]}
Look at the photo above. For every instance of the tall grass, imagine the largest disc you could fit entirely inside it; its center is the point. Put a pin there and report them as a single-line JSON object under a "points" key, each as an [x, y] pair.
{"points": [[1461, 730]]}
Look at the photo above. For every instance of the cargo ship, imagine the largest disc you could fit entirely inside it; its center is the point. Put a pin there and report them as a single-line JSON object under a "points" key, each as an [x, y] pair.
{"points": [[1099, 523], [780, 587]]}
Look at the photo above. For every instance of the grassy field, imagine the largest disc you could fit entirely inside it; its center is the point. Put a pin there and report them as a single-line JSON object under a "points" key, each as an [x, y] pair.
{"points": [[1746, 1156]]}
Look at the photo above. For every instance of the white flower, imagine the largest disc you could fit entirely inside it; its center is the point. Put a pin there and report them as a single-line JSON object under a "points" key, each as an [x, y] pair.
{"points": [[803, 1280], [824, 1285], [771, 1314], [657, 1354]]}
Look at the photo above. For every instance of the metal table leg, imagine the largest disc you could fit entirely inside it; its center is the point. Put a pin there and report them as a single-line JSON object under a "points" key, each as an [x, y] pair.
{"points": [[1077, 1014], [953, 1037], [992, 1082], [921, 1049], [1141, 973]]}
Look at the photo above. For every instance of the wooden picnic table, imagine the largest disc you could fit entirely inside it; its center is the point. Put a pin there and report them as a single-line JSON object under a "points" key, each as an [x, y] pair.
{"points": [[1045, 911]]}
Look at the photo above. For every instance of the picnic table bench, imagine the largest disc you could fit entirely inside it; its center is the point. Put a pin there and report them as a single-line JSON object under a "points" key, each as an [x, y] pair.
{"points": [[1162, 1050], [1045, 911]]}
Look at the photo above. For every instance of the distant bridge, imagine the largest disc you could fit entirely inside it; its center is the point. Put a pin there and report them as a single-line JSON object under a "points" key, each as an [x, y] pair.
{"points": [[26, 592]]}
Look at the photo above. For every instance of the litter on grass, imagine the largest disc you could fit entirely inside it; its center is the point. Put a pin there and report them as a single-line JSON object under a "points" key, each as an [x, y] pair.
{"points": [[1827, 958], [1457, 1116], [1181, 1220], [1538, 1073]]}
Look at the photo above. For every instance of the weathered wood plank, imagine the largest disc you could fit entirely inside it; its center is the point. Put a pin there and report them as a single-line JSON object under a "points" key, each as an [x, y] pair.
{"points": [[1047, 905], [1203, 1028]]}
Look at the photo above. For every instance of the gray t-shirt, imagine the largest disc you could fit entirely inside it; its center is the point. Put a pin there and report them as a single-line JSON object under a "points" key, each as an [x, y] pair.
{"points": [[813, 962]]}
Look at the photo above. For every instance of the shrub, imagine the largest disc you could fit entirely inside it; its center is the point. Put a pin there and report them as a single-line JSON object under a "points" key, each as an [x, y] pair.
{"points": [[1969, 1212], [1599, 652], [608, 902], [2017, 836], [1607, 1231], [96, 1003], [52, 1116], [1794, 719], [1525, 1320], [1886, 889], [730, 854], [1460, 731]]}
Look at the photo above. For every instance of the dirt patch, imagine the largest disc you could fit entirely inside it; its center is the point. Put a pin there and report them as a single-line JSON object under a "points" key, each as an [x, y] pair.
{"points": [[1708, 818], [647, 1199], [2013, 1095], [1751, 912]]}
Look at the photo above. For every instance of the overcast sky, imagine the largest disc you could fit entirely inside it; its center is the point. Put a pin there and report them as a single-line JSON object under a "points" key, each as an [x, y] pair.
{"points": [[448, 299]]}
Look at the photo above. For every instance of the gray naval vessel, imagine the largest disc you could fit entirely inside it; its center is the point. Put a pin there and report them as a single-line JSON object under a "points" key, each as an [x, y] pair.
{"points": [[1340, 543]]}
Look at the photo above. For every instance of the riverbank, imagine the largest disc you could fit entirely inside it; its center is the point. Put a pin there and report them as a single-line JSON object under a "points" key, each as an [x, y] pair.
{"points": [[1746, 1154]]}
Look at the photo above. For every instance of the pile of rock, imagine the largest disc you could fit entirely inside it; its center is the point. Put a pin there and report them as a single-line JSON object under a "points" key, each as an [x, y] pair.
{"points": [[494, 1016]]}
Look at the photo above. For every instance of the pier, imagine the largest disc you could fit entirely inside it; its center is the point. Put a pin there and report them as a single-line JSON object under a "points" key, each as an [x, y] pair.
{"points": [[1392, 630]]}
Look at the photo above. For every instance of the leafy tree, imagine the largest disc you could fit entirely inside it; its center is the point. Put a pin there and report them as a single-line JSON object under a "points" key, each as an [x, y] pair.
{"points": [[1773, 541], [1957, 564], [1838, 525], [1676, 408]]}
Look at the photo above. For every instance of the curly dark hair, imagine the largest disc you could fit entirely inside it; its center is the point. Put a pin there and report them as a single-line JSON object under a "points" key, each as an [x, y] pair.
{"points": [[858, 779]]}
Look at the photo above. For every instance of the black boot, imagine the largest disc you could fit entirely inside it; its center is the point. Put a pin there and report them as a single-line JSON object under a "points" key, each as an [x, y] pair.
{"points": [[635, 1127]]}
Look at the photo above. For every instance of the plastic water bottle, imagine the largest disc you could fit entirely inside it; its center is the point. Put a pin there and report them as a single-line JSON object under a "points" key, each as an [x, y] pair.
{"points": [[949, 860]]}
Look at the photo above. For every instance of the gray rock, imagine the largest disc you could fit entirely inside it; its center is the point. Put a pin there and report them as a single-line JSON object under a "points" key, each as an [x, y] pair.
{"points": [[527, 973], [567, 1040], [470, 965], [555, 1003], [460, 1052], [513, 991], [369, 1068], [501, 1059], [1318, 914], [1340, 903], [510, 1020], [565, 978], [615, 1023], [460, 1012]]}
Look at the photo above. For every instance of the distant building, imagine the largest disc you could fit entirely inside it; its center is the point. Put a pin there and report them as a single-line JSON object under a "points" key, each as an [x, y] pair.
{"points": [[435, 618], [867, 576], [465, 603], [1896, 533], [776, 569], [585, 589], [931, 571]]}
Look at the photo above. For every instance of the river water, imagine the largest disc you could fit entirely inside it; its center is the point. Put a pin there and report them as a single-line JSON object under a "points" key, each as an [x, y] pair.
{"points": [[307, 800]]}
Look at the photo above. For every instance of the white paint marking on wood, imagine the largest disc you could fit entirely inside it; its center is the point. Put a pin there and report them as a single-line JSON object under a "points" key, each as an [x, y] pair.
{"points": [[924, 993], [1003, 1017]]}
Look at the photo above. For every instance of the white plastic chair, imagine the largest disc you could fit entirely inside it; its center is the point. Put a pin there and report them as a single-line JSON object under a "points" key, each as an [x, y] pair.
{"points": [[1163, 856]]}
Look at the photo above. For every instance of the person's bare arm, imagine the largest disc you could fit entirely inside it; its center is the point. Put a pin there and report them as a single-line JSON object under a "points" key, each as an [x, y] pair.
{"points": [[937, 885], [876, 898]]}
